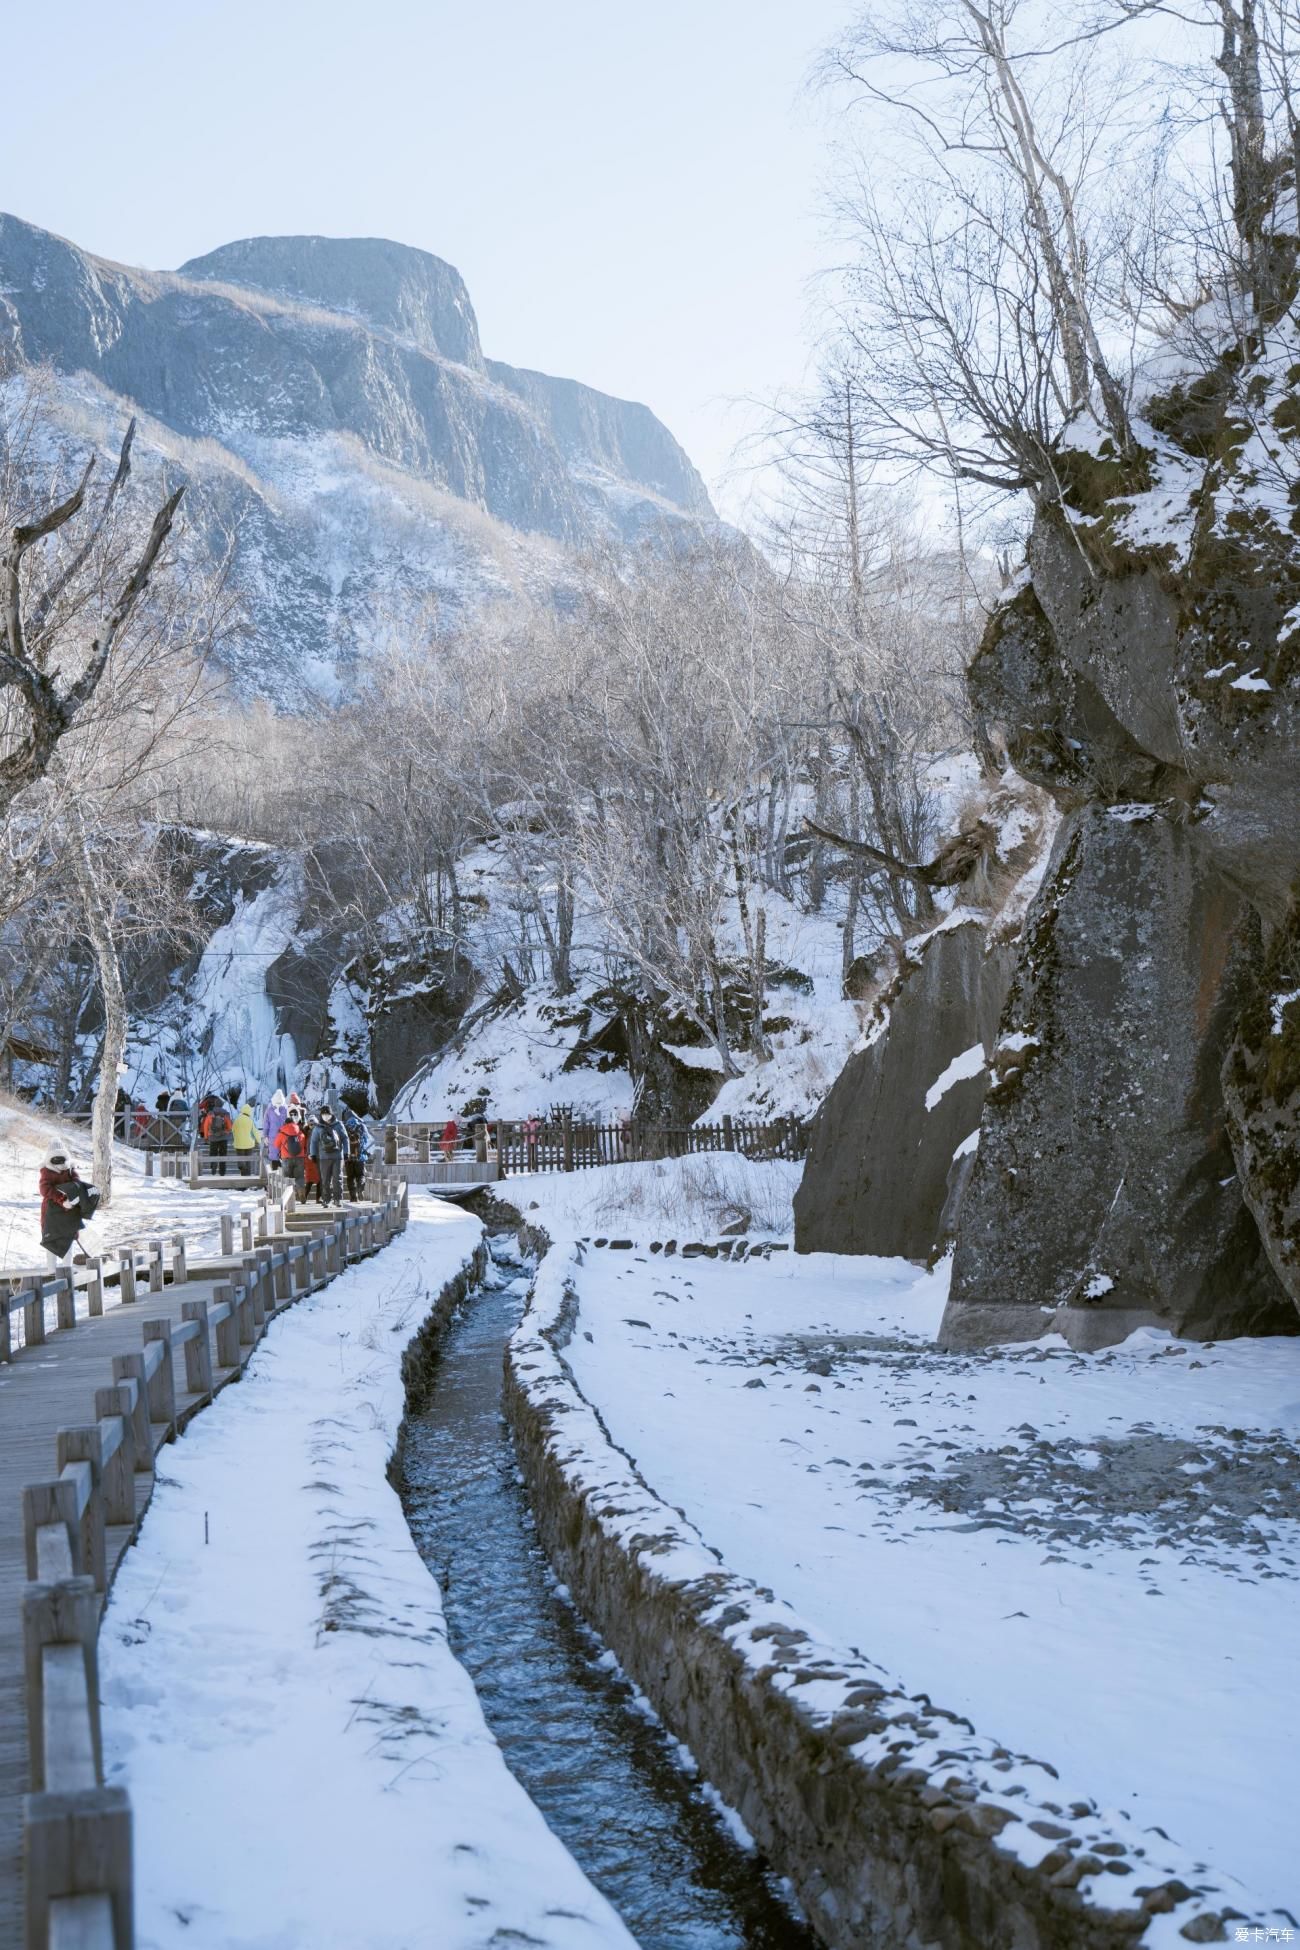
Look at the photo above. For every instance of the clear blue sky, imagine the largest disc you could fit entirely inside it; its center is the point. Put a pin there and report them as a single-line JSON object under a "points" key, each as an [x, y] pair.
{"points": [[632, 193]]}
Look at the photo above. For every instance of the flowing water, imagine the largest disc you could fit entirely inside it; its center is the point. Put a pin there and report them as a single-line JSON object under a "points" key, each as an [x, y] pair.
{"points": [[608, 1779]]}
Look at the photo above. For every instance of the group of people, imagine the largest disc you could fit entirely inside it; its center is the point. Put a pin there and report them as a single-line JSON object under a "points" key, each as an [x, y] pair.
{"points": [[319, 1152]]}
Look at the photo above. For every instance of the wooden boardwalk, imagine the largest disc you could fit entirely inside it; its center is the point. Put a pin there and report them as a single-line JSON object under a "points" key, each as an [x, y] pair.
{"points": [[45, 1388]]}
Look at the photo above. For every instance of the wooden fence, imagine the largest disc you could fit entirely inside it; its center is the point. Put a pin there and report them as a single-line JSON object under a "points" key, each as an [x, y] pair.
{"points": [[570, 1144], [76, 1831]]}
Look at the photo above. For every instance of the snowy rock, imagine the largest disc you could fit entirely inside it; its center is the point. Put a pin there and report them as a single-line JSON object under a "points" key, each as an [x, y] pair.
{"points": [[329, 405], [1146, 674], [1103, 1146], [881, 1151]]}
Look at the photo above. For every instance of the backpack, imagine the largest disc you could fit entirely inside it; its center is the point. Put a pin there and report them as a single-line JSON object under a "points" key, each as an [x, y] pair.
{"points": [[218, 1125], [290, 1141], [331, 1140]]}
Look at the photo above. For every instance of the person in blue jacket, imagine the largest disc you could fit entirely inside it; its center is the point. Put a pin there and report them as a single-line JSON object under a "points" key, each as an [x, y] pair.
{"points": [[359, 1148]]}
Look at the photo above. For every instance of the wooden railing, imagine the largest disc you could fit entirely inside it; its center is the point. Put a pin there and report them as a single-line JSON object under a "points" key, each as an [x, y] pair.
{"points": [[77, 1840], [569, 1144]]}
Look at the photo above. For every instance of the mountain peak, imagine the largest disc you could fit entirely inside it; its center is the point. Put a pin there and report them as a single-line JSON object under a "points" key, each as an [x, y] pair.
{"points": [[391, 287]]}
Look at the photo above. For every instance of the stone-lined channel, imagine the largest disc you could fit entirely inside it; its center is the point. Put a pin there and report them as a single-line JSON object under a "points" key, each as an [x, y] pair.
{"points": [[605, 1775]]}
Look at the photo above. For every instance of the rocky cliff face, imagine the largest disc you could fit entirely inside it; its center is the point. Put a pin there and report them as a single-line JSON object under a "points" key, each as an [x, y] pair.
{"points": [[329, 401], [892, 1147], [1141, 1163], [899, 1121]]}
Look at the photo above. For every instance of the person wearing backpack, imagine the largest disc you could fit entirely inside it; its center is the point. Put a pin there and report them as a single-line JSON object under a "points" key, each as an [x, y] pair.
{"points": [[215, 1132], [359, 1148], [327, 1146], [291, 1150]]}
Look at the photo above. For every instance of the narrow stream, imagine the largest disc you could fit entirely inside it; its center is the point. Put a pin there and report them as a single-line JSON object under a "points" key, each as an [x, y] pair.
{"points": [[602, 1772]]}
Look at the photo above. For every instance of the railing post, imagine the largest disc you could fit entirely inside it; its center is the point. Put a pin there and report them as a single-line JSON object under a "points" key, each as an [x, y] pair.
{"points": [[390, 1144], [46, 1504], [243, 1299], [83, 1445], [130, 1368], [227, 1235], [198, 1351], [253, 1282], [95, 1289], [567, 1131], [68, 1838], [65, 1296], [115, 1404], [126, 1274], [227, 1328], [162, 1382], [33, 1312], [66, 1613], [247, 1240], [155, 1266], [180, 1260]]}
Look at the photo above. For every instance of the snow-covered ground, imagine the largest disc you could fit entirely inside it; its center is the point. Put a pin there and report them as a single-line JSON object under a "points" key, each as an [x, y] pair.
{"points": [[142, 1208], [307, 1762], [1096, 1558], [514, 1058]]}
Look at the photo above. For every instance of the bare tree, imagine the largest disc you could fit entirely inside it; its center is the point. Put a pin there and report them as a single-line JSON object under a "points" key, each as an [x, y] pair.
{"points": [[70, 589], [973, 298]]}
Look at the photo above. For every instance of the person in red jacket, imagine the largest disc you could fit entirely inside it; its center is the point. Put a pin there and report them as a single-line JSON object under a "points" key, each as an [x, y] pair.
{"points": [[450, 1132], [63, 1205], [291, 1150]]}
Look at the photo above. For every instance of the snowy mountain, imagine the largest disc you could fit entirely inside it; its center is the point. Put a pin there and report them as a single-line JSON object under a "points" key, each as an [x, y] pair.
{"points": [[330, 404]]}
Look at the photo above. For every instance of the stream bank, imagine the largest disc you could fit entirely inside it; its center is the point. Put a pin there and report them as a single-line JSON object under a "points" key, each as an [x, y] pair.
{"points": [[617, 1789]]}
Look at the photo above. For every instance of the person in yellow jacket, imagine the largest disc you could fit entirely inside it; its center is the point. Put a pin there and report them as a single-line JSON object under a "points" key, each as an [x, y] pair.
{"points": [[244, 1137]]}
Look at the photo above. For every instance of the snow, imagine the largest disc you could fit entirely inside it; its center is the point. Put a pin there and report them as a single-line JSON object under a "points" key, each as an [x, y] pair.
{"points": [[929, 1512], [307, 1762], [968, 1064], [514, 1062], [686, 1198], [1250, 681], [694, 1056], [1280, 1005]]}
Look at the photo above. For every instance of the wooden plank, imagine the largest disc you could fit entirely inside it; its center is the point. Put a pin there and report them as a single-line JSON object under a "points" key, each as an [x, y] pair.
{"points": [[70, 1759], [81, 1923]]}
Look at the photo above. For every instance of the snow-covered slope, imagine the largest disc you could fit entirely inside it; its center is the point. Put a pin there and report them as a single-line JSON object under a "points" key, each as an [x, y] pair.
{"points": [[330, 406]]}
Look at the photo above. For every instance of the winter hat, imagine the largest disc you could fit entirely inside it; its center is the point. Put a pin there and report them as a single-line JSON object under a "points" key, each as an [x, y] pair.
{"points": [[278, 1099], [57, 1157], [325, 1111]]}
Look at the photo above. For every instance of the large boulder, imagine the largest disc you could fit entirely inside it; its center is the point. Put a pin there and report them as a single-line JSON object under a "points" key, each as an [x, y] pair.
{"points": [[1104, 1195], [877, 1177], [1261, 1088]]}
